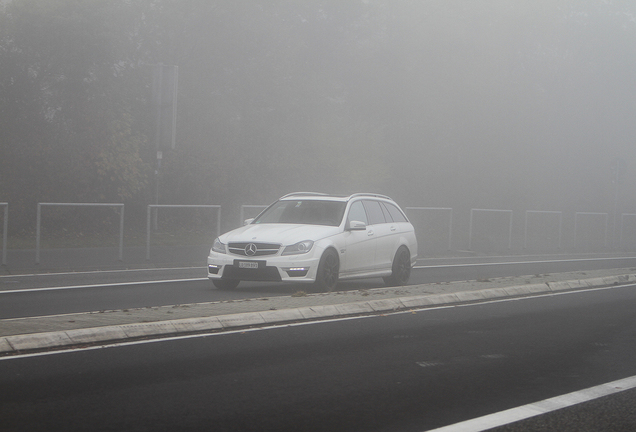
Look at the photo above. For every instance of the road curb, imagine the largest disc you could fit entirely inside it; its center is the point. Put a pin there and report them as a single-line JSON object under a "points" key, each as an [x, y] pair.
{"points": [[116, 333]]}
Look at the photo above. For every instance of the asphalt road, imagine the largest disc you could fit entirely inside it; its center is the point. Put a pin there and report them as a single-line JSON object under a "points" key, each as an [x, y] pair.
{"points": [[36, 295], [399, 372]]}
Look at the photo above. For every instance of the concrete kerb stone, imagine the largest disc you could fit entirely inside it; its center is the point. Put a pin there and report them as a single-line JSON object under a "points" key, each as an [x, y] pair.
{"points": [[538, 288], [559, 286], [354, 308], [241, 319], [491, 293], [470, 296], [29, 342], [275, 316], [416, 301], [38, 341], [444, 299], [315, 312], [98, 334], [148, 329], [5, 346], [386, 305], [518, 290], [197, 324]]}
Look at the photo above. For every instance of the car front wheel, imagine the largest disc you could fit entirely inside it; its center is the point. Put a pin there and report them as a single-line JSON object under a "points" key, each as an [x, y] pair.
{"points": [[401, 269], [327, 274]]}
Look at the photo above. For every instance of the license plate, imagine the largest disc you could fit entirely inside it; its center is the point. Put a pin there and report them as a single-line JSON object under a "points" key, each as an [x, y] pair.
{"points": [[248, 264]]}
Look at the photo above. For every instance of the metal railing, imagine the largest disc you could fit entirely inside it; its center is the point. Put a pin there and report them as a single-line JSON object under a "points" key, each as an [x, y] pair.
{"points": [[576, 224], [158, 206], [470, 228], [5, 226], [585, 229], [39, 218], [450, 219], [620, 239], [542, 212]]}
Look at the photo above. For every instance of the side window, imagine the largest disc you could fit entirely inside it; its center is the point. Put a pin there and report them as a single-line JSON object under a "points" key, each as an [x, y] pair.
{"points": [[387, 215], [395, 213], [357, 213], [375, 212]]}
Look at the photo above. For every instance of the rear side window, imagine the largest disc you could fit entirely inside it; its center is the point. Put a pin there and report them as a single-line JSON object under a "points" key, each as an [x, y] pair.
{"points": [[376, 216], [387, 216], [395, 213]]}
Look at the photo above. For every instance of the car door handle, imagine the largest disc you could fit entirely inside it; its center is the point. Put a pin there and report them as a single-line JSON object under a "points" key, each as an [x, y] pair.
{"points": [[393, 228], [370, 233]]}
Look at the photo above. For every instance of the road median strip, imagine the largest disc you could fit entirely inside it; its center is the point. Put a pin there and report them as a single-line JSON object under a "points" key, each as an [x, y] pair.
{"points": [[23, 343]]}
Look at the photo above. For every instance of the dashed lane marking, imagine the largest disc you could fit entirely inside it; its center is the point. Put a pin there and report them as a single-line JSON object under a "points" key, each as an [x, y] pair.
{"points": [[538, 408]]}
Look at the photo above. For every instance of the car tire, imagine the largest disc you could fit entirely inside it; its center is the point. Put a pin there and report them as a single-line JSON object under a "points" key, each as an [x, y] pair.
{"points": [[225, 284], [328, 270], [401, 268]]}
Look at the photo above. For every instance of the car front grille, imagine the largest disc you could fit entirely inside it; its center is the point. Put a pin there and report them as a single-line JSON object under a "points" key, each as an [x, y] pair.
{"points": [[254, 249]]}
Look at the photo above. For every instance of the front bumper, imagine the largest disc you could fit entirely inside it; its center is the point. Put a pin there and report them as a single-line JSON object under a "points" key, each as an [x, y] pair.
{"points": [[293, 268]]}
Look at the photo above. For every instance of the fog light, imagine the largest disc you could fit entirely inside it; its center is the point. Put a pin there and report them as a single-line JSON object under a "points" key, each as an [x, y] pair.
{"points": [[297, 271], [213, 269]]}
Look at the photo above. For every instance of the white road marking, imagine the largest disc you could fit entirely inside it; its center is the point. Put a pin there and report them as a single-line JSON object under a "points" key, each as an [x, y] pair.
{"points": [[426, 364], [520, 262], [100, 271], [98, 285], [538, 408]]}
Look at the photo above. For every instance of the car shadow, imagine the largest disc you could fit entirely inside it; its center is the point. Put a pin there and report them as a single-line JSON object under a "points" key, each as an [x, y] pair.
{"points": [[272, 288]]}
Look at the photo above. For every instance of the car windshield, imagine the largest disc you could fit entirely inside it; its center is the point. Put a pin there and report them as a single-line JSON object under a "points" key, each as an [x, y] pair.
{"points": [[310, 212]]}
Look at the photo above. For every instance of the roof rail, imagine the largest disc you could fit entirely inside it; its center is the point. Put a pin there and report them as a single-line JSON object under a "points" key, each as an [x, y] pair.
{"points": [[303, 193], [371, 195], [342, 196]]}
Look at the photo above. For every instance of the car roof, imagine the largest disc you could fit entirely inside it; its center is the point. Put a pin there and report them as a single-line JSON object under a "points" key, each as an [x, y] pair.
{"points": [[323, 196]]}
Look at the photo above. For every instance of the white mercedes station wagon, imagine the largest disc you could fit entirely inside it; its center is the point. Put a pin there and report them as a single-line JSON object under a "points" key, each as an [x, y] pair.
{"points": [[319, 239]]}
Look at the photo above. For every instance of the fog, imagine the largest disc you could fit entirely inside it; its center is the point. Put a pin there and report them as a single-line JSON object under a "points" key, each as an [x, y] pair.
{"points": [[524, 105]]}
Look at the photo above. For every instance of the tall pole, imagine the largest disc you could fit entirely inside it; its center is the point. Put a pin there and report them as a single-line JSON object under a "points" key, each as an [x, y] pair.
{"points": [[158, 101], [617, 167]]}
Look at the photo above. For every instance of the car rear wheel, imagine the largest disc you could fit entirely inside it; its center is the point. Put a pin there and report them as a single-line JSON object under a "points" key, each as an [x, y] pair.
{"points": [[225, 284], [401, 268], [327, 274]]}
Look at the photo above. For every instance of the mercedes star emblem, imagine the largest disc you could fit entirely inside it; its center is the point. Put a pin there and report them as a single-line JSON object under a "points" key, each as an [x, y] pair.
{"points": [[250, 249]]}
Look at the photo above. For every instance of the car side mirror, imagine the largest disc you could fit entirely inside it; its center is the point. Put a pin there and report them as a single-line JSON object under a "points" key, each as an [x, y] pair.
{"points": [[357, 226], [248, 221]]}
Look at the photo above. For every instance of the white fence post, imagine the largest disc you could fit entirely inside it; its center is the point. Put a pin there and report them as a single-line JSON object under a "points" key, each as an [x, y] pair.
{"points": [[5, 225], [620, 240]]}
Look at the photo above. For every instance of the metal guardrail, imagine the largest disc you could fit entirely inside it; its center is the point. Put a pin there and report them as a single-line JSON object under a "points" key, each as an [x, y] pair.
{"points": [[529, 212], [39, 217], [5, 226], [620, 239], [158, 206], [470, 229], [450, 219], [576, 221], [546, 222]]}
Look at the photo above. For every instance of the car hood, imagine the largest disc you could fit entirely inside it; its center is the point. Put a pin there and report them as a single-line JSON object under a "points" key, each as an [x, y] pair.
{"points": [[285, 234]]}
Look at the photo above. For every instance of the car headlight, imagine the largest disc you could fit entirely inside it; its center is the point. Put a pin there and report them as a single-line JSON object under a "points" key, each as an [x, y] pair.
{"points": [[298, 248], [218, 247]]}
